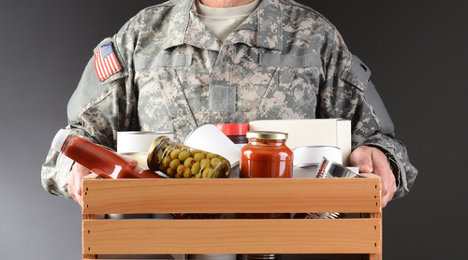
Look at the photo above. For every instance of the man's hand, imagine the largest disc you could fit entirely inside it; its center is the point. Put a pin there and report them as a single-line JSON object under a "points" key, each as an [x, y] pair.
{"points": [[74, 181], [372, 160]]}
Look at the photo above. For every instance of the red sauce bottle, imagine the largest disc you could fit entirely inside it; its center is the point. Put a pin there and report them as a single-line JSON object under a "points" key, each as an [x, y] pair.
{"points": [[105, 163], [266, 156]]}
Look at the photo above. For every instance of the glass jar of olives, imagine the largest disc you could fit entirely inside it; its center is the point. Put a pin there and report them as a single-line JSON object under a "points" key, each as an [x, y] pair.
{"points": [[179, 161]]}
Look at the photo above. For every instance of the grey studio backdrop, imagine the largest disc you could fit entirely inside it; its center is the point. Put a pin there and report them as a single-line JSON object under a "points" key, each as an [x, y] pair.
{"points": [[415, 49]]}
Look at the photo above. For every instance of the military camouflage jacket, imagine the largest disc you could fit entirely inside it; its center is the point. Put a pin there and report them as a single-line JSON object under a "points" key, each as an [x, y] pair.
{"points": [[285, 61]]}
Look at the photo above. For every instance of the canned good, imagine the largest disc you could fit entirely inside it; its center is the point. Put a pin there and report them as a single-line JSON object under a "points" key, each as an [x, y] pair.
{"points": [[180, 161], [235, 132]]}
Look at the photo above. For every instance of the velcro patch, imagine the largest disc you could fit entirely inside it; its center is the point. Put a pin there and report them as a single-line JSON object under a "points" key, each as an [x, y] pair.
{"points": [[360, 70]]}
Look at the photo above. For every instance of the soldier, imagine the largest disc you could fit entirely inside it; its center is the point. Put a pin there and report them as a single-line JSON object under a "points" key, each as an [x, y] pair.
{"points": [[182, 64]]}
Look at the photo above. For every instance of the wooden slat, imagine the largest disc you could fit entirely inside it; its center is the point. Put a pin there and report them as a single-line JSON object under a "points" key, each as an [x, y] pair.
{"points": [[378, 255], [231, 236], [89, 217], [127, 196]]}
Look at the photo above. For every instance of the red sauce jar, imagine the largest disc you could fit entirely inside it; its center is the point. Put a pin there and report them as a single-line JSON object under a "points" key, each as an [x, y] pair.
{"points": [[266, 156]]}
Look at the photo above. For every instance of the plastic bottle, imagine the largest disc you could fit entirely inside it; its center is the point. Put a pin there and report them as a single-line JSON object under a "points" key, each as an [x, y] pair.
{"points": [[105, 163]]}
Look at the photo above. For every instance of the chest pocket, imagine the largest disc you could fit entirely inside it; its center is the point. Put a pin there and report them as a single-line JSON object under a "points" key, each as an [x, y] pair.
{"points": [[292, 91], [162, 81]]}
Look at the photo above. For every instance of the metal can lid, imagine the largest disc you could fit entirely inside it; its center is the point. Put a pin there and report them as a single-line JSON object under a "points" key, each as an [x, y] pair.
{"points": [[267, 135], [144, 132]]}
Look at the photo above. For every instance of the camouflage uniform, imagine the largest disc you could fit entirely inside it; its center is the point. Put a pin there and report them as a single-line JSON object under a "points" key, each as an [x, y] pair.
{"points": [[285, 61]]}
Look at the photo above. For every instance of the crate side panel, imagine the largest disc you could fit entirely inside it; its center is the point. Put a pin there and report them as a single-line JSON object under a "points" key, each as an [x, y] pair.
{"points": [[352, 236], [231, 196]]}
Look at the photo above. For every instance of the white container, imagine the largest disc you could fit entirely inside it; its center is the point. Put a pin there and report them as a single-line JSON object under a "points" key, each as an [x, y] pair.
{"points": [[209, 138], [307, 159], [312, 155], [138, 142], [135, 144]]}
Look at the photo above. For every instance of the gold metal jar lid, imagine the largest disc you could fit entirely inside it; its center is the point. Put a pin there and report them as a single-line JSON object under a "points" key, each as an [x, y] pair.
{"points": [[267, 135], [152, 160]]}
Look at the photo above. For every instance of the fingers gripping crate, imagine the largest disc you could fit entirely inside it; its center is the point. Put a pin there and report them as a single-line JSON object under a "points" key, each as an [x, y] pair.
{"points": [[362, 235]]}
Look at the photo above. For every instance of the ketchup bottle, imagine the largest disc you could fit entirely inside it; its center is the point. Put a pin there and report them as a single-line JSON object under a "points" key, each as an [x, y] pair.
{"points": [[105, 163]]}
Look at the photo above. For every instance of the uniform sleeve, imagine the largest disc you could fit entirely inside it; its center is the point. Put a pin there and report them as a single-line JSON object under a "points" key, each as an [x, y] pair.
{"points": [[96, 111], [348, 92]]}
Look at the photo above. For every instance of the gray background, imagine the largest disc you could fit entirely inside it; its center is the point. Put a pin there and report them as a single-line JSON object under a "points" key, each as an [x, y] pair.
{"points": [[417, 51]]}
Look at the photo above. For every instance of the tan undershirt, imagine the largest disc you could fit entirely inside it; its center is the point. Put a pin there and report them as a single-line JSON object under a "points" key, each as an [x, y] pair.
{"points": [[222, 21]]}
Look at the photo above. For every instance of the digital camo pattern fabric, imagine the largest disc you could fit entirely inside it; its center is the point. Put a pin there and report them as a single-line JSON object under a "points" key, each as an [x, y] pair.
{"points": [[285, 61]]}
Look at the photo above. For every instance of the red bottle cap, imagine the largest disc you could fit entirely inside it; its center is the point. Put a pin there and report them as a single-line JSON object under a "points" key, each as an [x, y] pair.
{"points": [[233, 129]]}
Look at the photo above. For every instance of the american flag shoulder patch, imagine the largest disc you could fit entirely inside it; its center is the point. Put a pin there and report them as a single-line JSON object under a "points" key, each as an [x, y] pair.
{"points": [[106, 62]]}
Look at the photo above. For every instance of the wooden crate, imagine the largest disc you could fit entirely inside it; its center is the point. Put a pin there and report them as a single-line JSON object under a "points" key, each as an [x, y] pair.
{"points": [[362, 235]]}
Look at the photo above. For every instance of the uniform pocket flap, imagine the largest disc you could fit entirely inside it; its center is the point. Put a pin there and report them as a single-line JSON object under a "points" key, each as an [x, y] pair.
{"points": [[162, 60], [358, 74], [290, 60]]}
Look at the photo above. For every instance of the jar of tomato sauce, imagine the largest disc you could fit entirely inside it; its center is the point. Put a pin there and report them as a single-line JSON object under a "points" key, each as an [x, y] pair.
{"points": [[266, 156]]}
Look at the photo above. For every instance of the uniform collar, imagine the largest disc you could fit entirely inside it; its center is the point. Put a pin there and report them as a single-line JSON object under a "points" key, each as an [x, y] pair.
{"points": [[262, 28], [266, 21]]}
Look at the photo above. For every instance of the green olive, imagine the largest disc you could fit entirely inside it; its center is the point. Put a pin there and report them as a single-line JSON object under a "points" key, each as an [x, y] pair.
{"points": [[189, 162], [215, 162], [207, 173], [166, 161], [204, 163], [216, 173], [194, 151], [180, 169], [211, 155], [170, 172], [174, 164], [184, 155], [175, 154], [187, 173], [195, 168], [198, 157]]}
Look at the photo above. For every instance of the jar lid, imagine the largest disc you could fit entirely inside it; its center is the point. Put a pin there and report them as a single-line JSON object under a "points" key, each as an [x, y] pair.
{"points": [[152, 152], [233, 129], [267, 135]]}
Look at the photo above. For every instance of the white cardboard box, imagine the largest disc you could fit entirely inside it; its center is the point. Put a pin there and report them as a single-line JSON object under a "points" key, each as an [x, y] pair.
{"points": [[311, 132]]}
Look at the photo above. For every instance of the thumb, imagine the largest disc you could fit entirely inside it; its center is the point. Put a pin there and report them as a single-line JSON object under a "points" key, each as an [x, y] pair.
{"points": [[362, 158]]}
